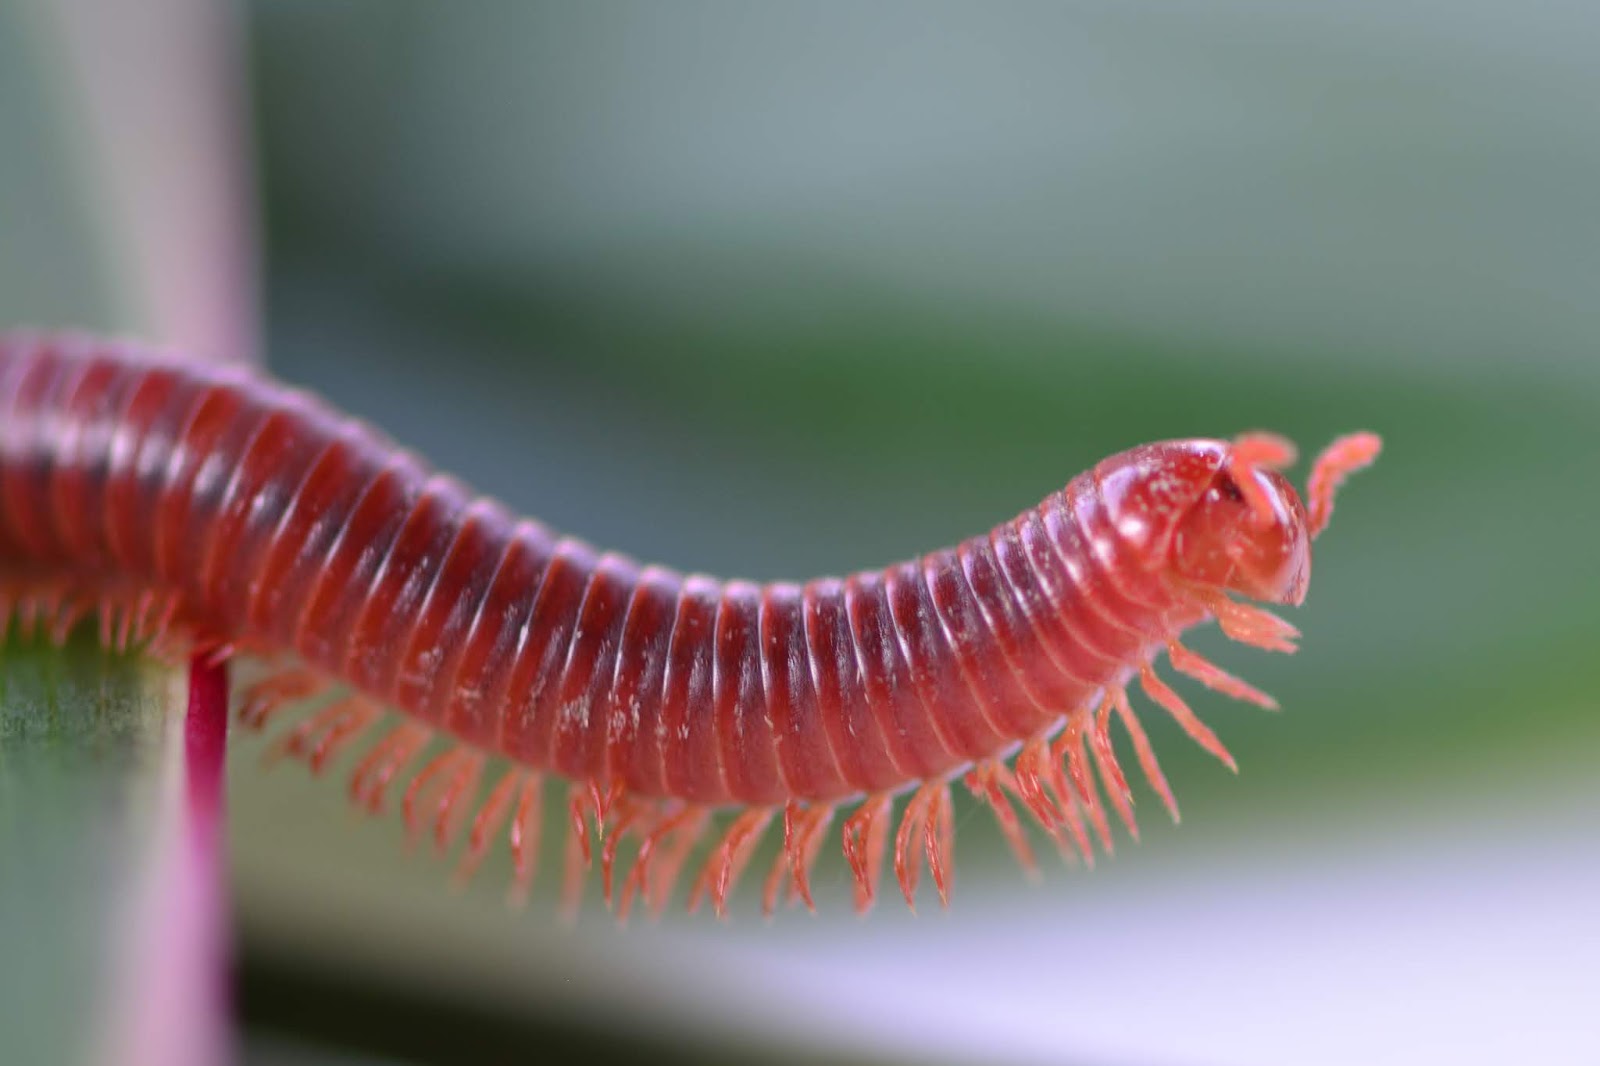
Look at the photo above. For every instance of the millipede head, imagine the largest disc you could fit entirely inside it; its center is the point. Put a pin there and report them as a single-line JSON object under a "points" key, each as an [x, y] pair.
{"points": [[1248, 531], [1221, 515]]}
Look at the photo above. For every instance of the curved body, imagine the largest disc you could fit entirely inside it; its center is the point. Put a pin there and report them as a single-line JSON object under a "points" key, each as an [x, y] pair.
{"points": [[266, 521]]}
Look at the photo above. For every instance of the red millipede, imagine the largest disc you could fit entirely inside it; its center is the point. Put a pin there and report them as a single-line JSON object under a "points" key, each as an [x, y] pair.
{"points": [[204, 510]]}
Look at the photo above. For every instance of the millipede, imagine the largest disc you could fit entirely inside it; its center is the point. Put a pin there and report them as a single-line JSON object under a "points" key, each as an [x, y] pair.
{"points": [[201, 510]]}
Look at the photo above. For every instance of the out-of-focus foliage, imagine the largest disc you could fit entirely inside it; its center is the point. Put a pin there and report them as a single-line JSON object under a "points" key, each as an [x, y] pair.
{"points": [[81, 760], [119, 214], [81, 731], [53, 268]]}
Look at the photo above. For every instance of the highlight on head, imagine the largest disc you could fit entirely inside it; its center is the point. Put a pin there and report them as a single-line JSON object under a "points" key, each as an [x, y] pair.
{"points": [[1249, 532]]}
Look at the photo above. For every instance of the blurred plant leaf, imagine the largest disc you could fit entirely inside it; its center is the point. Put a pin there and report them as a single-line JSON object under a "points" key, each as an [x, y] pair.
{"points": [[110, 874], [81, 765]]}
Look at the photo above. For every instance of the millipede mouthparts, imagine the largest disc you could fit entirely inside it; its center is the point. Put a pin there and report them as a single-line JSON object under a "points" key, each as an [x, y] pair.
{"points": [[198, 510]]}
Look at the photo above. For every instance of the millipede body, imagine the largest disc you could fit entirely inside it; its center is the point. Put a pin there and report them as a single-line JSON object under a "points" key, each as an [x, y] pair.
{"points": [[205, 510]]}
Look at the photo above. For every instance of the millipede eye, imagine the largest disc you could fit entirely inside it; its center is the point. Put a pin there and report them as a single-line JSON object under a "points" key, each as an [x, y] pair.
{"points": [[1230, 489]]}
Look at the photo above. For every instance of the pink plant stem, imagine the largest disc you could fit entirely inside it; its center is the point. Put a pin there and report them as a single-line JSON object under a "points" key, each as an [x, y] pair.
{"points": [[205, 738], [173, 1001], [198, 923]]}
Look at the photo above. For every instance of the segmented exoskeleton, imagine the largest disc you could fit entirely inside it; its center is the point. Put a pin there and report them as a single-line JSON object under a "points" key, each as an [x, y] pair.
{"points": [[213, 511]]}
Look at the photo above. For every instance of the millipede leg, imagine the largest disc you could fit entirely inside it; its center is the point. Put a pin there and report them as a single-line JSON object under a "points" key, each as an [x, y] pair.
{"points": [[631, 816], [577, 855], [1215, 677], [865, 835], [1105, 761], [158, 629], [106, 619], [810, 826], [601, 798], [1072, 838], [908, 846], [990, 781], [360, 715], [1031, 770], [1070, 743], [444, 783], [728, 859], [526, 826], [69, 612], [787, 865], [574, 864], [686, 822], [1250, 624], [35, 609], [1201, 733], [369, 784], [664, 873], [455, 798], [421, 787], [778, 874], [941, 839], [126, 616], [332, 727], [1141, 746], [135, 618], [263, 700], [486, 823]]}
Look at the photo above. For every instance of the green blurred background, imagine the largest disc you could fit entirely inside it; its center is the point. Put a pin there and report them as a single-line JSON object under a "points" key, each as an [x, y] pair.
{"points": [[777, 290]]}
